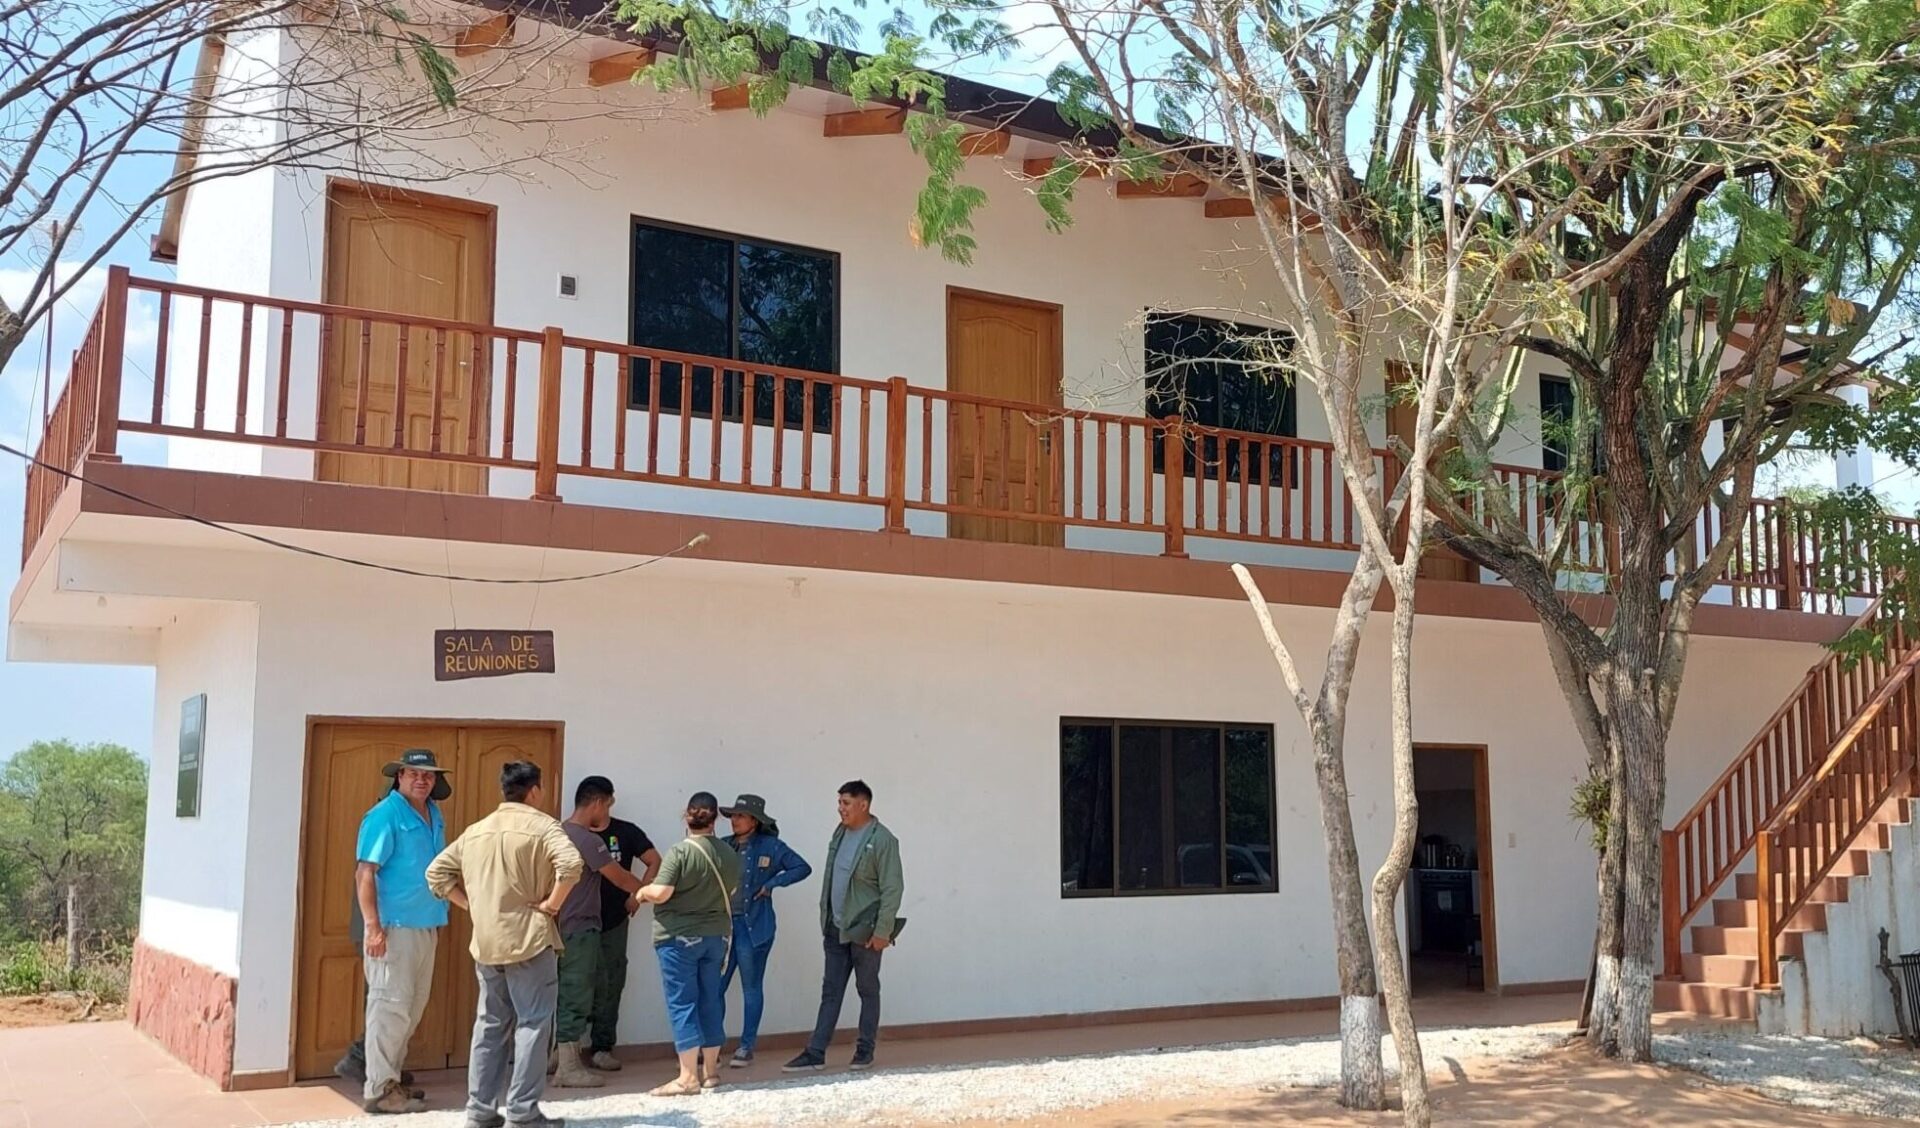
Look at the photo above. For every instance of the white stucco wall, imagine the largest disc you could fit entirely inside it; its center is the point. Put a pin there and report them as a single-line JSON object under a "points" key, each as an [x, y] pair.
{"points": [[191, 893], [946, 697]]}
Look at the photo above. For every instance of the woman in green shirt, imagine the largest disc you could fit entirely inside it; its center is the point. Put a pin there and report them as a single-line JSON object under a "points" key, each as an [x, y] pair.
{"points": [[692, 899]]}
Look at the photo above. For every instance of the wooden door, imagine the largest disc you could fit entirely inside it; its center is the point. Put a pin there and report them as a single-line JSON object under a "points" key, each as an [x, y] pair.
{"points": [[484, 751], [343, 780], [1005, 349], [428, 257], [1439, 563]]}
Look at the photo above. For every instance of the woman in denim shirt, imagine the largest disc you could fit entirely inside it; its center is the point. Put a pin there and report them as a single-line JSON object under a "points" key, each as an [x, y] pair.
{"points": [[767, 864]]}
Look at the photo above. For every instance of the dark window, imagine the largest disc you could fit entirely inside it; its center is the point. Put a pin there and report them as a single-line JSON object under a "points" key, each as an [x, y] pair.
{"points": [[735, 299], [1165, 808], [1556, 422], [1228, 375]]}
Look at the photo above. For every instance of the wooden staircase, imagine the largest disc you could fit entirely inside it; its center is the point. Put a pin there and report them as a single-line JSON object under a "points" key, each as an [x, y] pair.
{"points": [[1779, 836]]}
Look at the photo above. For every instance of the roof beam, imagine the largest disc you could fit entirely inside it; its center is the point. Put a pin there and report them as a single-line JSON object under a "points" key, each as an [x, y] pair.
{"points": [[866, 123], [1043, 166], [618, 67], [1183, 186], [729, 97], [989, 143], [479, 38], [1241, 207]]}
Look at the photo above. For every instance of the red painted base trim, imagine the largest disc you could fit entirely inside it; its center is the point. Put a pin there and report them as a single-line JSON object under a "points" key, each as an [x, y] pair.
{"points": [[187, 1008]]}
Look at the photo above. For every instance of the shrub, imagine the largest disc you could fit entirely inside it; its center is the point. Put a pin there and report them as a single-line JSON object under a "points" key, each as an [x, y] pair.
{"points": [[25, 971]]}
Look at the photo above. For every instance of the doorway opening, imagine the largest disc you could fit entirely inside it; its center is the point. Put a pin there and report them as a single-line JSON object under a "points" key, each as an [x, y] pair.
{"points": [[1449, 890]]}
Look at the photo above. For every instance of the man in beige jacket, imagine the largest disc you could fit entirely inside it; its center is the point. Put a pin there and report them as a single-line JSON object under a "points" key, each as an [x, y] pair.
{"points": [[511, 871]]}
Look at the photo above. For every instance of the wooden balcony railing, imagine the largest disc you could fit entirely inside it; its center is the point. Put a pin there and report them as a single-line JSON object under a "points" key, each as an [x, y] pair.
{"points": [[375, 396], [1708, 843]]}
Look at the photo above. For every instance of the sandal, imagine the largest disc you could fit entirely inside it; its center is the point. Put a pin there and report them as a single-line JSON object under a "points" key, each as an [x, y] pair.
{"points": [[676, 1088], [710, 1084]]}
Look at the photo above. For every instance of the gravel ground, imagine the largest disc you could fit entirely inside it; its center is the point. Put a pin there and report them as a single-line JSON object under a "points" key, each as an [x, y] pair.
{"points": [[1015, 1090], [1856, 1076]]}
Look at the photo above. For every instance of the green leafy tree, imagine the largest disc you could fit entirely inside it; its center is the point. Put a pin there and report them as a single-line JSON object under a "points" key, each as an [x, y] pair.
{"points": [[72, 828]]}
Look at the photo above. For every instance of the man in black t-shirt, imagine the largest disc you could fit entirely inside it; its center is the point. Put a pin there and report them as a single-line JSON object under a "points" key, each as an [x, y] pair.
{"points": [[626, 842]]}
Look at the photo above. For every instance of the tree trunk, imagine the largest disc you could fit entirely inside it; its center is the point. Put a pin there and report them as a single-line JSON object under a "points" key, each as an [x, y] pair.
{"points": [[1362, 1077], [1635, 723], [1416, 1111], [73, 927]]}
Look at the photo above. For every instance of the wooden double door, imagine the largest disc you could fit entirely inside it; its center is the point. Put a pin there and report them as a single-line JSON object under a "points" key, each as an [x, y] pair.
{"points": [[343, 780]]}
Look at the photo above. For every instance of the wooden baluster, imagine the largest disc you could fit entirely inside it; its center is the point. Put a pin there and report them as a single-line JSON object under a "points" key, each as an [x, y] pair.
{"points": [[623, 396], [200, 376], [750, 396], [1079, 465], [285, 385], [112, 361], [779, 429], [835, 392], [896, 450], [508, 418], [477, 395], [437, 403], [546, 474], [246, 364], [160, 353], [322, 428], [363, 387], [865, 438], [686, 420], [654, 366], [926, 446], [716, 428], [1790, 559], [806, 434]]}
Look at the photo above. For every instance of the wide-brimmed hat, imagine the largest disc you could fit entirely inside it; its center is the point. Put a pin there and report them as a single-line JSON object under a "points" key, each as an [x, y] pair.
{"points": [[757, 807], [421, 759]]}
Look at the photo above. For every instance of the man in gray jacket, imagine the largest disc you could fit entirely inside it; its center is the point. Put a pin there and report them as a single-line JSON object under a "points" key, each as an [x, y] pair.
{"points": [[859, 918]]}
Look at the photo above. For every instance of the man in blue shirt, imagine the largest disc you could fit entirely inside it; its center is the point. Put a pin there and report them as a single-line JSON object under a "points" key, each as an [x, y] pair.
{"points": [[399, 835]]}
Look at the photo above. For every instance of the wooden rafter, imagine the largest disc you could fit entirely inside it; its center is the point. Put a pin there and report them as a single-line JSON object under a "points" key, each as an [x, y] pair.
{"points": [[866, 123], [1241, 207], [989, 143], [479, 38], [729, 97], [1183, 186], [618, 67], [1041, 166]]}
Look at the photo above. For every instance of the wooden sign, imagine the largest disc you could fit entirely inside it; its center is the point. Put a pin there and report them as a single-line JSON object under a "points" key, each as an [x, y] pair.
{"points": [[491, 654]]}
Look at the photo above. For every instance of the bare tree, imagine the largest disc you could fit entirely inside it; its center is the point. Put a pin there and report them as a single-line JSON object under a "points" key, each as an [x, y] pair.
{"points": [[332, 87]]}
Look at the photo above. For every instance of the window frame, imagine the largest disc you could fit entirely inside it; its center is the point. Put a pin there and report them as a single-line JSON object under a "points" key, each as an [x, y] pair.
{"points": [[1225, 888], [1548, 451], [734, 380], [1273, 469]]}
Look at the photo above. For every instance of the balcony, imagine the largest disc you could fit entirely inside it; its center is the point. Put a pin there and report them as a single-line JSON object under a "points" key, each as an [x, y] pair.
{"points": [[268, 387]]}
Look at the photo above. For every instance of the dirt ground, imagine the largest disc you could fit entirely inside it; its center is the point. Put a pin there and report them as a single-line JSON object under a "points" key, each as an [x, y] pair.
{"points": [[1570, 1086], [18, 1011]]}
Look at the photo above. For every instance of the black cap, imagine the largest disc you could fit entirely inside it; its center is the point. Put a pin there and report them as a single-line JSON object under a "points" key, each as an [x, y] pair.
{"points": [[703, 801]]}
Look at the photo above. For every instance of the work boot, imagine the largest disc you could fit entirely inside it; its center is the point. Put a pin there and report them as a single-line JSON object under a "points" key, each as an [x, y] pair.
{"points": [[603, 1060], [396, 1098], [485, 1120], [572, 1071]]}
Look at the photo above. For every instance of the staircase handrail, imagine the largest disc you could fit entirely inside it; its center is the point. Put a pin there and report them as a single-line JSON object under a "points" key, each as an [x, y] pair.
{"points": [[1708, 843]]}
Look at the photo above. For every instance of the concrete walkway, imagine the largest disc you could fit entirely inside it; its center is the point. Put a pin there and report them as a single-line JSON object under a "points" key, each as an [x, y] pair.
{"points": [[107, 1074]]}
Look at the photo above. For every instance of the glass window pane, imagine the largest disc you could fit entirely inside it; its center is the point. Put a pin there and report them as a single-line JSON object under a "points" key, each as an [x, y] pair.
{"points": [[1196, 806], [682, 302], [1086, 807], [1249, 799], [787, 311], [1142, 821]]}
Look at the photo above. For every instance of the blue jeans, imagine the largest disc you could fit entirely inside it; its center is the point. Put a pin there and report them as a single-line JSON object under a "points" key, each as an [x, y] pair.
{"points": [[690, 976], [751, 962]]}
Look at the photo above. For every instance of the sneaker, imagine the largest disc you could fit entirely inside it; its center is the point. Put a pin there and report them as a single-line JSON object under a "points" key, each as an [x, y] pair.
{"points": [[603, 1060], [396, 1100], [862, 1059], [807, 1062], [742, 1058], [485, 1120], [540, 1120]]}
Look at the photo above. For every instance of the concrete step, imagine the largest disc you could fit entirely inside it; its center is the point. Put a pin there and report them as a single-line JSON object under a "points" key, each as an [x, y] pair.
{"points": [[1850, 864], [1712, 1000], [1723, 971], [1746, 914], [1718, 940]]}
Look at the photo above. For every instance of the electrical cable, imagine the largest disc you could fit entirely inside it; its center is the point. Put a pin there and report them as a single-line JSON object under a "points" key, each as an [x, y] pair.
{"points": [[697, 541]]}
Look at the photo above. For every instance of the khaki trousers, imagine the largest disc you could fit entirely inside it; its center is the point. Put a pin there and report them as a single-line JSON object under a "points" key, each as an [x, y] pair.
{"points": [[397, 988]]}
